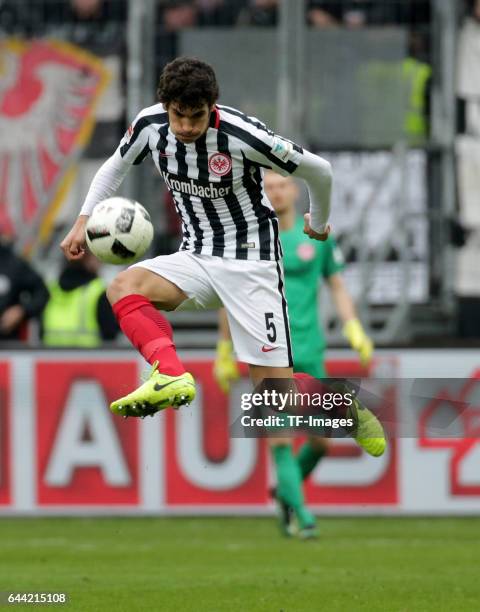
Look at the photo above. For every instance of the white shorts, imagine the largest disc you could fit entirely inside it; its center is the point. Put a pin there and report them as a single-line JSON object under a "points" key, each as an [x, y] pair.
{"points": [[251, 291]]}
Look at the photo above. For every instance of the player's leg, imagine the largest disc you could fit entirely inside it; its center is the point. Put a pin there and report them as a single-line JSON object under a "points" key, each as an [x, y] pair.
{"points": [[136, 296], [252, 293], [289, 490], [367, 430], [310, 453], [315, 447]]}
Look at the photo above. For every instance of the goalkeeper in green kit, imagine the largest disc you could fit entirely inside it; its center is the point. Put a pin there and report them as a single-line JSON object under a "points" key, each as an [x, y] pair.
{"points": [[306, 264]]}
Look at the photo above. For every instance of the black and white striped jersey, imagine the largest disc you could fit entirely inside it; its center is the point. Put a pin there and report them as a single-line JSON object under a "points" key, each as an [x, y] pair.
{"points": [[217, 181]]}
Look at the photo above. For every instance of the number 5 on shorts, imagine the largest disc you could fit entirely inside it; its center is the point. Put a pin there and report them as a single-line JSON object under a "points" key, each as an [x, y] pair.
{"points": [[270, 325]]}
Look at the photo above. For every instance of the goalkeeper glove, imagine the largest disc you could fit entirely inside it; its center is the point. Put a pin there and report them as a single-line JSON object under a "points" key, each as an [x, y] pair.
{"points": [[225, 367], [359, 341]]}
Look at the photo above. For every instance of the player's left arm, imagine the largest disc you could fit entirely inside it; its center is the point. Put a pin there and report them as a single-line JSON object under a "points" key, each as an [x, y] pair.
{"points": [[352, 327], [317, 174], [286, 157]]}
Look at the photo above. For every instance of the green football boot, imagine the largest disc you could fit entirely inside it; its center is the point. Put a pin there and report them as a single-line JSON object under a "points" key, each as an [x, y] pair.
{"points": [[286, 515], [158, 392], [309, 532], [368, 430], [306, 525]]}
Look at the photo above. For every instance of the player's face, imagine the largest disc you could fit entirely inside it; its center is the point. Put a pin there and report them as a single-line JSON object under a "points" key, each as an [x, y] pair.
{"points": [[281, 191], [188, 124]]}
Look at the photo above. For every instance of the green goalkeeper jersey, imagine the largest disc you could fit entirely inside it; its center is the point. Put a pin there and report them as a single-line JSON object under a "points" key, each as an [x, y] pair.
{"points": [[307, 262]]}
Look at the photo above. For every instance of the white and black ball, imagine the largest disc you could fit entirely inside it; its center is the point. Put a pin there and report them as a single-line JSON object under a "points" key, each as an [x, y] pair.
{"points": [[119, 231]]}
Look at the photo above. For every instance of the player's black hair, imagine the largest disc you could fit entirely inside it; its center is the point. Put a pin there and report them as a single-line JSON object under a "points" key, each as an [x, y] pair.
{"points": [[189, 82]]}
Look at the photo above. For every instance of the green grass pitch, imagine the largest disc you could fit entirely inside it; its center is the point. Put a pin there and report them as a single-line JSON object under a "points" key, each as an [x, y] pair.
{"points": [[244, 564]]}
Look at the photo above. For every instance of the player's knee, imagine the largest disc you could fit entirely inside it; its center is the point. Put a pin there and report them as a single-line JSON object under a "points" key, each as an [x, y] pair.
{"points": [[122, 285]]}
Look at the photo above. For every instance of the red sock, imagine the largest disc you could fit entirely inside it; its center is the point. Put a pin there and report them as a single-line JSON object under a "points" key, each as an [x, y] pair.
{"points": [[149, 332], [313, 386], [308, 384]]}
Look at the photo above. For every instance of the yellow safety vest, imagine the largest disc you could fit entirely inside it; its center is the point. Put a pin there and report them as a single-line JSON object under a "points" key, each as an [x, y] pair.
{"points": [[407, 82], [70, 317], [416, 74]]}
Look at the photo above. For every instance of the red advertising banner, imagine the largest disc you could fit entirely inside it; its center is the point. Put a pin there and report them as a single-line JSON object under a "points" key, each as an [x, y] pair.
{"points": [[465, 447], [5, 443], [354, 477], [80, 457], [85, 455], [204, 466]]}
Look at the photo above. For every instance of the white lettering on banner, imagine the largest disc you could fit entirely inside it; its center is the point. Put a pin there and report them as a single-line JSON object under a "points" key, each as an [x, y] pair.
{"points": [[85, 408], [236, 469], [358, 471]]}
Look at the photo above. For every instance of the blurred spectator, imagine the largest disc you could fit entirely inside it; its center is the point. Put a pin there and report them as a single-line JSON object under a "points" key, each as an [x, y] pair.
{"points": [[218, 12], [9, 17], [349, 13], [78, 312], [417, 75], [173, 16], [23, 293], [259, 13], [87, 9], [361, 13], [416, 13], [178, 15], [324, 14], [472, 9], [91, 23]]}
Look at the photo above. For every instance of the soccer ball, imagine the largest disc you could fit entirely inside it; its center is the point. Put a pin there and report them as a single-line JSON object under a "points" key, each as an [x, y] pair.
{"points": [[119, 231]]}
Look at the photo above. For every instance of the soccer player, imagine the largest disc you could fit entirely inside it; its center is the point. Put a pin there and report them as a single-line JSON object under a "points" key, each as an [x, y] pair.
{"points": [[306, 264], [211, 158]]}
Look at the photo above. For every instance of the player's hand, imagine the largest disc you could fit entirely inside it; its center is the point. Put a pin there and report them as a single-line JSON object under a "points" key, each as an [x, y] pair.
{"points": [[359, 341], [73, 245], [225, 368], [311, 233], [11, 318]]}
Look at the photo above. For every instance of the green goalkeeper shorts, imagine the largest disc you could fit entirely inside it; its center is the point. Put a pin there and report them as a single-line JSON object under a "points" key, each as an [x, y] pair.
{"points": [[315, 367]]}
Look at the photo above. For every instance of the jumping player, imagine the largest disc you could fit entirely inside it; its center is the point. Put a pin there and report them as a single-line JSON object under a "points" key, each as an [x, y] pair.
{"points": [[212, 159]]}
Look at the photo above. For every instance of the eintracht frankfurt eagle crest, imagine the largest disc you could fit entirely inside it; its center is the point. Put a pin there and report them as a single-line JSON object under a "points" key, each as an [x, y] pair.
{"points": [[48, 92]]}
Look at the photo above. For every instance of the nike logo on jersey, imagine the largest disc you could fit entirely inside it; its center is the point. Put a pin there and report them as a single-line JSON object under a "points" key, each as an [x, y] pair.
{"points": [[165, 154], [267, 349]]}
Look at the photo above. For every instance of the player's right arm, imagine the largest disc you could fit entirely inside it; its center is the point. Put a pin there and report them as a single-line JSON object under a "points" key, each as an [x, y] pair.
{"points": [[131, 150], [73, 245]]}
